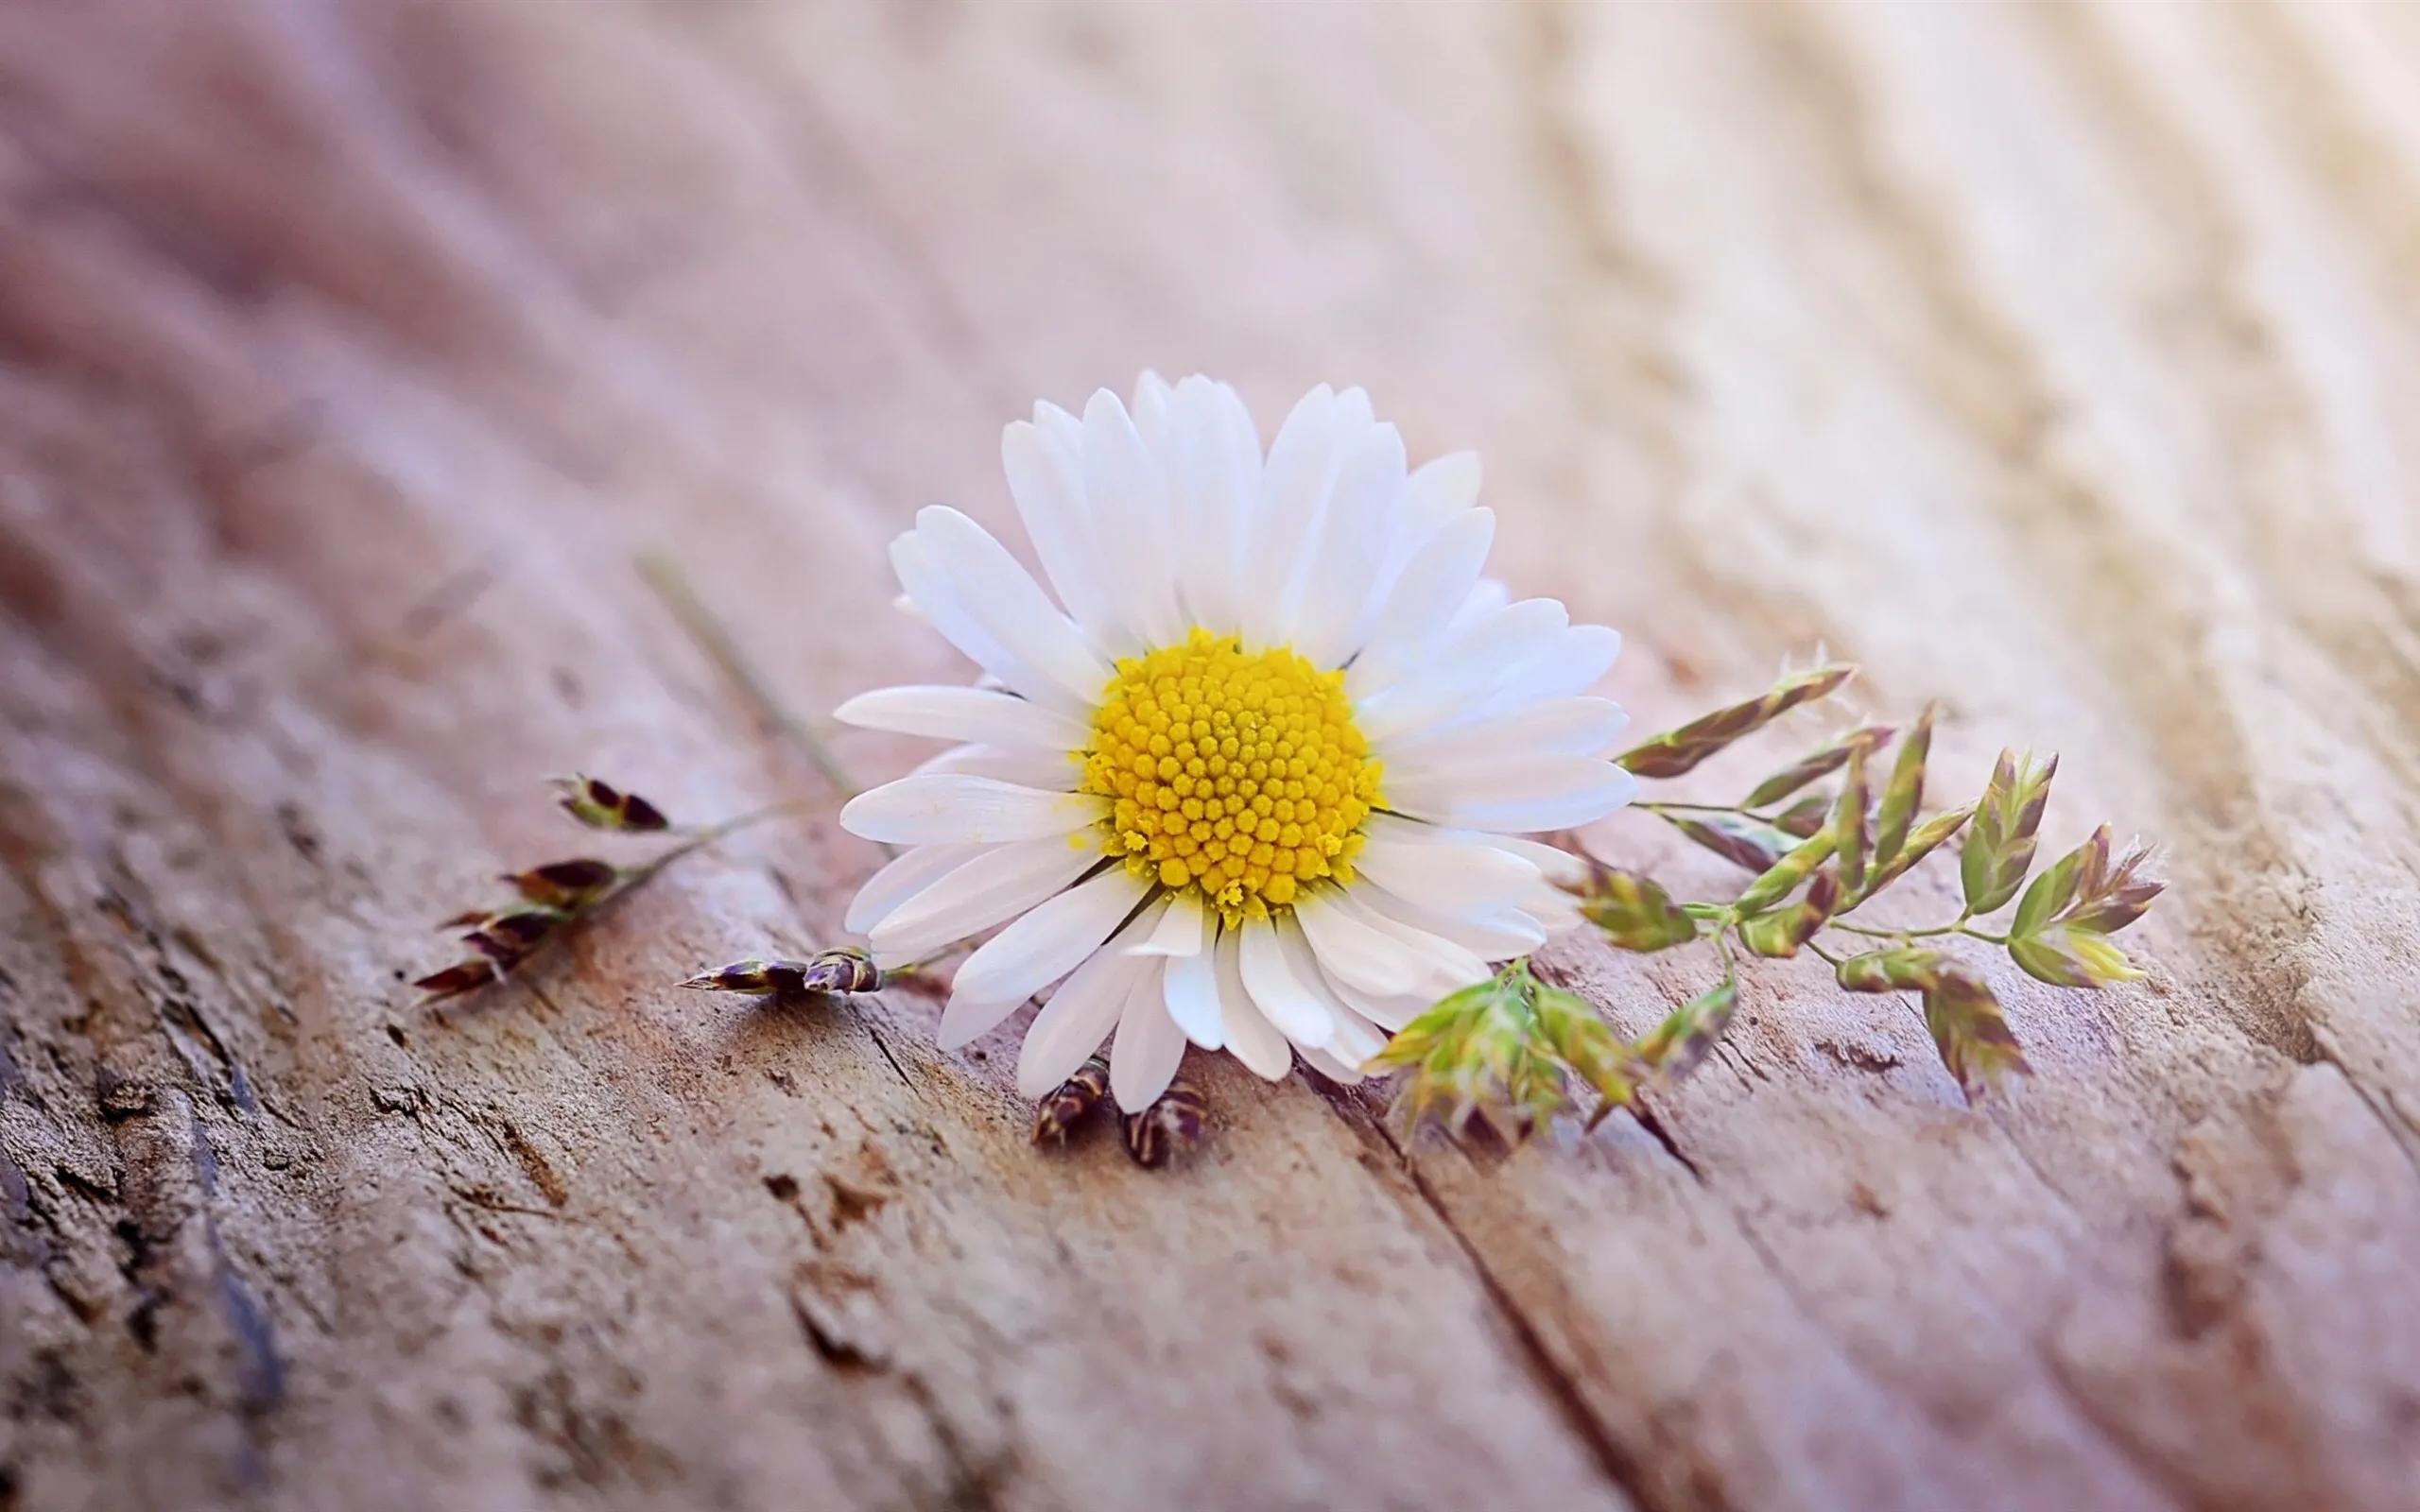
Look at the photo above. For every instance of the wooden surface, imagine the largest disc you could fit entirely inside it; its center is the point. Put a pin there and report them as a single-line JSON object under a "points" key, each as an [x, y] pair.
{"points": [[2063, 362]]}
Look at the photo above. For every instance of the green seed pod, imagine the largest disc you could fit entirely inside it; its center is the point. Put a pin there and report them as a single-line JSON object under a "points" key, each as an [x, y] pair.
{"points": [[1850, 841], [1999, 850], [1678, 1045], [1901, 969], [843, 969], [1905, 792], [1678, 751], [1926, 838], [2068, 954], [1782, 932], [457, 979], [2051, 891], [1634, 913], [1588, 1045], [1076, 1097], [1169, 1127], [1973, 1037], [600, 805], [1782, 784], [1743, 841], [2109, 898], [1784, 875], [1804, 817], [568, 886]]}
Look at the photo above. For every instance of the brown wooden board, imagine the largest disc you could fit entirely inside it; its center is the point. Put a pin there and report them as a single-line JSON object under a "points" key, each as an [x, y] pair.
{"points": [[2059, 362]]}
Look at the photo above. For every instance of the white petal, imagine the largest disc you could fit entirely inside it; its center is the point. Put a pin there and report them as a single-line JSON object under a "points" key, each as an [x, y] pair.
{"points": [[1130, 510], [1573, 664], [908, 874], [1565, 726], [1465, 674], [1046, 478], [1334, 1067], [1514, 775], [978, 716], [990, 890], [938, 599], [1284, 1001], [1553, 666], [1442, 488], [1193, 996], [1554, 863], [1153, 409], [1352, 1040], [1175, 437], [1073, 1023], [1352, 409], [949, 808], [1149, 1047], [1054, 771], [1213, 457], [1457, 872], [1487, 595], [1250, 1037], [1187, 929], [1491, 934], [1005, 601], [1397, 830], [1558, 870], [1241, 431], [1213, 462], [1448, 967], [1421, 601], [1062, 430], [1079, 1015], [1554, 909], [1342, 573], [1352, 951], [1516, 796], [1243, 457], [1037, 950], [1356, 1039], [1293, 497], [1388, 1013], [1303, 964]]}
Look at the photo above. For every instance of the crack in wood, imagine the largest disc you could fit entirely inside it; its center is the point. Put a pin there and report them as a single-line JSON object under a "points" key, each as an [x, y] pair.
{"points": [[1604, 1448], [2065, 332]]}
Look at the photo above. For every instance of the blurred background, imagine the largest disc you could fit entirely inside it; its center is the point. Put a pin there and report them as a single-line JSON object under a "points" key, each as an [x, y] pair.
{"points": [[2057, 361]]}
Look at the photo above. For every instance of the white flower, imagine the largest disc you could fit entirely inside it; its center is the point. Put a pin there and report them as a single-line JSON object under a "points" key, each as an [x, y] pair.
{"points": [[1256, 784]]}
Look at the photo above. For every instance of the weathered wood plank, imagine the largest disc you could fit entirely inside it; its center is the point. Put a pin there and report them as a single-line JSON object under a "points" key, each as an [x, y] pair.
{"points": [[2055, 360]]}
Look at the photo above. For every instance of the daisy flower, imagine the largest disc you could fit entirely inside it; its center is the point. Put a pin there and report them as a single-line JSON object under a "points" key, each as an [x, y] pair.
{"points": [[1252, 775]]}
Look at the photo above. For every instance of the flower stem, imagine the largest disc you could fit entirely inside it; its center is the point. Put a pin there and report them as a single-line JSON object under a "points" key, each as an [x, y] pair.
{"points": [[1661, 807], [703, 835], [1960, 927], [698, 623]]}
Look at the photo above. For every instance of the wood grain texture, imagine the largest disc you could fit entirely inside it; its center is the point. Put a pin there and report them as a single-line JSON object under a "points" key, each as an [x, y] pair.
{"points": [[2060, 360]]}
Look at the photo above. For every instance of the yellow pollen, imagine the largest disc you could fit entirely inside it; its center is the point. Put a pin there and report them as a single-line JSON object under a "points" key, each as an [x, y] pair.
{"points": [[1240, 775]]}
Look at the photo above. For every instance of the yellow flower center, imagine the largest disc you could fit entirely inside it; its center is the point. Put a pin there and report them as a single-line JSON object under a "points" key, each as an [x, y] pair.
{"points": [[1242, 775]]}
